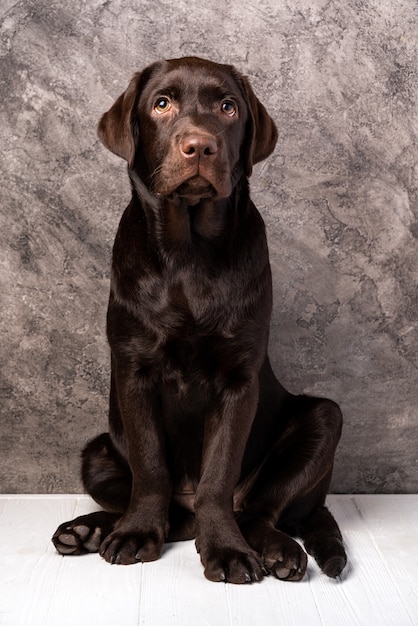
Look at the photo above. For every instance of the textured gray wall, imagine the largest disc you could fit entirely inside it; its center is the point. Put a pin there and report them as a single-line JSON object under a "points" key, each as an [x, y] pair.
{"points": [[339, 197]]}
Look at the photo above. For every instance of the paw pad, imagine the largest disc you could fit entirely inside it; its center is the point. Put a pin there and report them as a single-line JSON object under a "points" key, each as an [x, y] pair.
{"points": [[77, 539]]}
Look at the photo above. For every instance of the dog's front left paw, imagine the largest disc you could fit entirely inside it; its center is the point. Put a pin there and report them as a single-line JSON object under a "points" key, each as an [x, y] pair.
{"points": [[233, 566], [127, 548]]}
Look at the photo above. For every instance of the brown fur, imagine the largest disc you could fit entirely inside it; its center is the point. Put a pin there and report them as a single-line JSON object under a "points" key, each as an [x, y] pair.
{"points": [[203, 440]]}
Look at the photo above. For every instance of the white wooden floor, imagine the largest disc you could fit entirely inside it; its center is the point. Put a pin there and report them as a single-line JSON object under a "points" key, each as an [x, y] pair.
{"points": [[39, 587]]}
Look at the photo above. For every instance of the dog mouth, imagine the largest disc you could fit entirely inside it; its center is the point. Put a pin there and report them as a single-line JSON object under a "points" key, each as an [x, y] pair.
{"points": [[193, 186], [196, 187]]}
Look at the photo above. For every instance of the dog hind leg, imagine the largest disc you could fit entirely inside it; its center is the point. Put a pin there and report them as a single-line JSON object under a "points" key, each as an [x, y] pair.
{"points": [[323, 540], [107, 479], [289, 494]]}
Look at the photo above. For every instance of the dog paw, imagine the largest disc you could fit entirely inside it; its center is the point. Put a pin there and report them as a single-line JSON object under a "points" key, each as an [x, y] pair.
{"points": [[331, 557], [286, 560], [83, 534], [282, 556], [233, 566], [128, 548]]}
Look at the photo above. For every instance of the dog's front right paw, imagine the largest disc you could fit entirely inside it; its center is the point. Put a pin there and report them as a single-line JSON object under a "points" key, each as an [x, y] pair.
{"points": [[127, 548]]}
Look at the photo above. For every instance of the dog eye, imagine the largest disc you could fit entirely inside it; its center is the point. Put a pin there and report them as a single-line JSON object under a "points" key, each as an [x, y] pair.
{"points": [[229, 108], [162, 105]]}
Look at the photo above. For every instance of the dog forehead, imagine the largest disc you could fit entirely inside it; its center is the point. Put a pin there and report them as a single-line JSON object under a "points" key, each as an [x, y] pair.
{"points": [[195, 78]]}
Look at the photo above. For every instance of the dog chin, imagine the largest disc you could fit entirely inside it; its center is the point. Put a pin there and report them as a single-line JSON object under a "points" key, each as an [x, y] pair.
{"points": [[196, 188]]}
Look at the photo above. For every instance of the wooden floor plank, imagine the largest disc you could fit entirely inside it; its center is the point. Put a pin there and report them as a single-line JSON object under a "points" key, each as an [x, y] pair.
{"points": [[392, 521], [90, 591], [89, 586], [27, 571], [175, 592], [278, 602], [38, 587], [367, 594]]}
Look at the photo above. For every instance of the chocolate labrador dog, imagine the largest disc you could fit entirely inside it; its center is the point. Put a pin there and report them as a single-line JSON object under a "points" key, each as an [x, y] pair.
{"points": [[203, 440]]}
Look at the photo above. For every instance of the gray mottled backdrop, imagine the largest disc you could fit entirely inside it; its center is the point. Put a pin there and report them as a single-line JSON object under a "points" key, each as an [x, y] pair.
{"points": [[339, 197]]}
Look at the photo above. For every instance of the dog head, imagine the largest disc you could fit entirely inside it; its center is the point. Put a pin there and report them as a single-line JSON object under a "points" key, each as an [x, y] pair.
{"points": [[187, 126]]}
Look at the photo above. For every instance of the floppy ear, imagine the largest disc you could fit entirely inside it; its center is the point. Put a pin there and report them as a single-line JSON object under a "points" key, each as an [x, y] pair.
{"points": [[261, 135], [116, 127]]}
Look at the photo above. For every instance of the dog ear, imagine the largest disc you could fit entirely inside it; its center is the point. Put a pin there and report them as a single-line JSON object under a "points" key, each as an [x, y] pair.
{"points": [[116, 127], [261, 135]]}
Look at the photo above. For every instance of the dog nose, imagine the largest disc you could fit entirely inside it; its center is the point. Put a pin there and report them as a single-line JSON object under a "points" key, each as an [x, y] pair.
{"points": [[198, 147]]}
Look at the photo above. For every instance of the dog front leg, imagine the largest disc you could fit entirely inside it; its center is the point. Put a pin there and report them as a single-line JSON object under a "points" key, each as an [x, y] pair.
{"points": [[140, 533], [224, 552]]}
